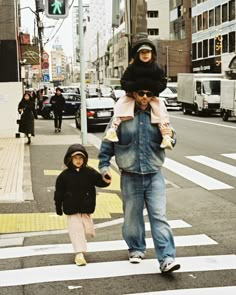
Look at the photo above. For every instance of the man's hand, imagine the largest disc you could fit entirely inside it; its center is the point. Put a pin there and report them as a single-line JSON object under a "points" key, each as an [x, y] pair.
{"points": [[166, 131]]}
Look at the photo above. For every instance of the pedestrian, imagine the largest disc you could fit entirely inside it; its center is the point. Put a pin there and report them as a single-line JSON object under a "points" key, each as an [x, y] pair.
{"points": [[58, 103], [75, 195], [143, 68], [139, 157], [26, 109]]}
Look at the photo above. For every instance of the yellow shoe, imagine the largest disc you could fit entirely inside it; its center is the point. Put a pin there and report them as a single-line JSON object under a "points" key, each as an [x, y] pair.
{"points": [[166, 143], [80, 260], [111, 135]]}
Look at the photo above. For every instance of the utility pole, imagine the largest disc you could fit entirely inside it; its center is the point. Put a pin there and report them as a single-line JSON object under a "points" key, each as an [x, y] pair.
{"points": [[82, 75], [39, 26], [167, 63]]}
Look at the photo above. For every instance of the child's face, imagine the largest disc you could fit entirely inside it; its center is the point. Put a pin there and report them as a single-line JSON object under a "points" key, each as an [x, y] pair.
{"points": [[77, 161], [145, 55]]}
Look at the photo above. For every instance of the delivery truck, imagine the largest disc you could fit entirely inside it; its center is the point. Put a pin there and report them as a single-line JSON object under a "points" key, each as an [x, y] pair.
{"points": [[228, 99], [199, 93]]}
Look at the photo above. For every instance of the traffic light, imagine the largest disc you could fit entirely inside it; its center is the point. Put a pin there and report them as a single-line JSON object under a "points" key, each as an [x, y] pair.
{"points": [[57, 8]]}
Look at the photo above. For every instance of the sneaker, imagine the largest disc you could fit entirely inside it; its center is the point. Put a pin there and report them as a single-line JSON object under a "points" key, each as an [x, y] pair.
{"points": [[56, 130], [168, 267], [166, 143], [135, 258], [80, 260], [59, 130], [111, 135]]}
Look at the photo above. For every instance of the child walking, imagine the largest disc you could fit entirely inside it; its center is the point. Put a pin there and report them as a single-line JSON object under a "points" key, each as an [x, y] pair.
{"points": [[143, 70], [75, 195]]}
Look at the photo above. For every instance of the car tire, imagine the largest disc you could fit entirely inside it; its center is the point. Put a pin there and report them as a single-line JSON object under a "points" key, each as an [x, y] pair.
{"points": [[225, 116]]}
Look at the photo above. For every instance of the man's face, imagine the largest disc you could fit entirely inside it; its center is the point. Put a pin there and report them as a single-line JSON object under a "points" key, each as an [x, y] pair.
{"points": [[143, 97]]}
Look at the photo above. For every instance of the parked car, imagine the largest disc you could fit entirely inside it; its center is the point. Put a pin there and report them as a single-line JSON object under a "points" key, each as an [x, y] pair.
{"points": [[99, 111], [117, 93], [73, 102], [70, 89], [169, 96]]}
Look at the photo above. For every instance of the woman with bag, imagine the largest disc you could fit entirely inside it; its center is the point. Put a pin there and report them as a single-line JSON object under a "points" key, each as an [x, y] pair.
{"points": [[26, 109]]}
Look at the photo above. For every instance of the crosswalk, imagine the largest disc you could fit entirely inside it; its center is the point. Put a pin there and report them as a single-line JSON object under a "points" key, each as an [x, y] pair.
{"points": [[202, 179], [118, 268]]}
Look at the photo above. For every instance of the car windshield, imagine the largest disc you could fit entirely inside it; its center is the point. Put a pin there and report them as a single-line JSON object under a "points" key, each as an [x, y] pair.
{"points": [[71, 90], [211, 87], [71, 97]]}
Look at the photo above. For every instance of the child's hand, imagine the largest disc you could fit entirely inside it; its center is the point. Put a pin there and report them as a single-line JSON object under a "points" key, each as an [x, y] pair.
{"points": [[107, 177], [166, 131]]}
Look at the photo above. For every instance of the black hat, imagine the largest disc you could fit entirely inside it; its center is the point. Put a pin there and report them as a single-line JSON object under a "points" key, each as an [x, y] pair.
{"points": [[144, 41]]}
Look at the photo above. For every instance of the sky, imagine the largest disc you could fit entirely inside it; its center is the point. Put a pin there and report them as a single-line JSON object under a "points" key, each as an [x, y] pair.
{"points": [[64, 35]]}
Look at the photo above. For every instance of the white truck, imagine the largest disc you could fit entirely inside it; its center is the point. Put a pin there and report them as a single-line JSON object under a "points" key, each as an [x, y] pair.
{"points": [[228, 99], [199, 93]]}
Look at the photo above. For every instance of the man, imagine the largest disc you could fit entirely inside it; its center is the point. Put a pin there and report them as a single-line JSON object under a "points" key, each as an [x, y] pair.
{"points": [[58, 102], [139, 158]]}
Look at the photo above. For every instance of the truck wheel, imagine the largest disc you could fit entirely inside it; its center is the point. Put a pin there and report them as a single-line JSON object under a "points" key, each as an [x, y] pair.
{"points": [[225, 116], [196, 110], [184, 109]]}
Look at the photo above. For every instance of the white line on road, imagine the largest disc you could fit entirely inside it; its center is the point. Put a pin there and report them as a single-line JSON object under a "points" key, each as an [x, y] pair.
{"points": [[199, 291], [231, 156], [172, 223], [220, 166], [199, 178], [180, 241], [26, 276], [203, 122]]}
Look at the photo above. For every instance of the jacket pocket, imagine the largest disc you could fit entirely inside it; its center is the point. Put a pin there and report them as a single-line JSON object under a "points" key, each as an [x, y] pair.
{"points": [[125, 156]]}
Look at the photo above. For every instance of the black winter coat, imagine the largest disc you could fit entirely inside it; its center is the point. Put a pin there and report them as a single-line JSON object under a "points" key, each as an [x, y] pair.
{"points": [[27, 116], [143, 76], [75, 190], [57, 102]]}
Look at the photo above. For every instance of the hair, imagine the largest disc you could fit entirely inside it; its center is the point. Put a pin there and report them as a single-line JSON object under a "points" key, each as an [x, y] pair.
{"points": [[136, 58]]}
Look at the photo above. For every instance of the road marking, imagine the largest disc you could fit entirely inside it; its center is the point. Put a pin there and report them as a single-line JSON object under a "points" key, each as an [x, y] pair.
{"points": [[199, 291], [180, 241], [172, 223], [220, 166], [231, 156], [199, 178], [203, 122], [26, 276]]}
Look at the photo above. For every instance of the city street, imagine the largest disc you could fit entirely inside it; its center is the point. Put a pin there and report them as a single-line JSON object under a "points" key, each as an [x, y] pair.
{"points": [[200, 178]]}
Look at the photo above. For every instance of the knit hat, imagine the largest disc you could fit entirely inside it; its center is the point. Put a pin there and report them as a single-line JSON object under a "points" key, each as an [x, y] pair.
{"points": [[75, 149]]}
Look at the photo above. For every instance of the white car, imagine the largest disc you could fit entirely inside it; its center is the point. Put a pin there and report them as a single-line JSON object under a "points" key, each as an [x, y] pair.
{"points": [[169, 96]]}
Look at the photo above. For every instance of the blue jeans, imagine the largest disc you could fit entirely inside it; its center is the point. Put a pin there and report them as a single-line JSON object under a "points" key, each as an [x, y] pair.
{"points": [[148, 189]]}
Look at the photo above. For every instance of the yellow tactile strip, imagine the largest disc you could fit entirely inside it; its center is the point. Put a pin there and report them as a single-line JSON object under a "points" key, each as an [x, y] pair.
{"points": [[107, 203]]}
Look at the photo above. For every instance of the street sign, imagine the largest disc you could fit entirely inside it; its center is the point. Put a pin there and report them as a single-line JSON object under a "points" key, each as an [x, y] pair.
{"points": [[57, 8], [46, 78]]}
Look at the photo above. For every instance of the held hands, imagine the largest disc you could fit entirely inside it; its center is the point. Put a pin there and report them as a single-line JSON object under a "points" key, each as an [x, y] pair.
{"points": [[166, 131], [107, 177]]}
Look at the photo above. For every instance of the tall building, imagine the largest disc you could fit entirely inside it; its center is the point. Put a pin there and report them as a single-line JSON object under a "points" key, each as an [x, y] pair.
{"points": [[9, 60], [58, 64], [214, 36]]}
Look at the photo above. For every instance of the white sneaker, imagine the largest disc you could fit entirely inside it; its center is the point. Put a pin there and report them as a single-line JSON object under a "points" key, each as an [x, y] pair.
{"points": [[135, 258], [168, 267], [167, 143]]}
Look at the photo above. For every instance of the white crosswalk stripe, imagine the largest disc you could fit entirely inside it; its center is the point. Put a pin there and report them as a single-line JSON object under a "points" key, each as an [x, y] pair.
{"points": [[198, 291], [111, 269], [231, 156], [195, 176], [225, 168]]}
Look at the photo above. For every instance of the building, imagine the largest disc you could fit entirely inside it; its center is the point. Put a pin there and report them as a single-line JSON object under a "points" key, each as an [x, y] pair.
{"points": [[9, 57], [58, 64], [213, 36]]}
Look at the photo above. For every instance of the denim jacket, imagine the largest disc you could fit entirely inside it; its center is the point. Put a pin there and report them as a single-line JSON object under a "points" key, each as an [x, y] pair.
{"points": [[138, 149]]}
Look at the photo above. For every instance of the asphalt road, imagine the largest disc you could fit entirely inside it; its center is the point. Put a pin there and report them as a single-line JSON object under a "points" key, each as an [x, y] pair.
{"points": [[201, 202]]}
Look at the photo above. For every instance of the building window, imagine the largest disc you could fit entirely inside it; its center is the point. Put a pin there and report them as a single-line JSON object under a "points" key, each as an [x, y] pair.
{"points": [[218, 40], [231, 41], [225, 12], [205, 20], [211, 46], [205, 48], [217, 16], [224, 43], [193, 3], [153, 32], [232, 10], [153, 13], [211, 18], [194, 51], [199, 50], [199, 22], [194, 25]]}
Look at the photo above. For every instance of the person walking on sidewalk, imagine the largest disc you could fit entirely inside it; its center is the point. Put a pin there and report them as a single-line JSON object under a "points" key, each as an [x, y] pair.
{"points": [[75, 195], [58, 103], [140, 158], [26, 109]]}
